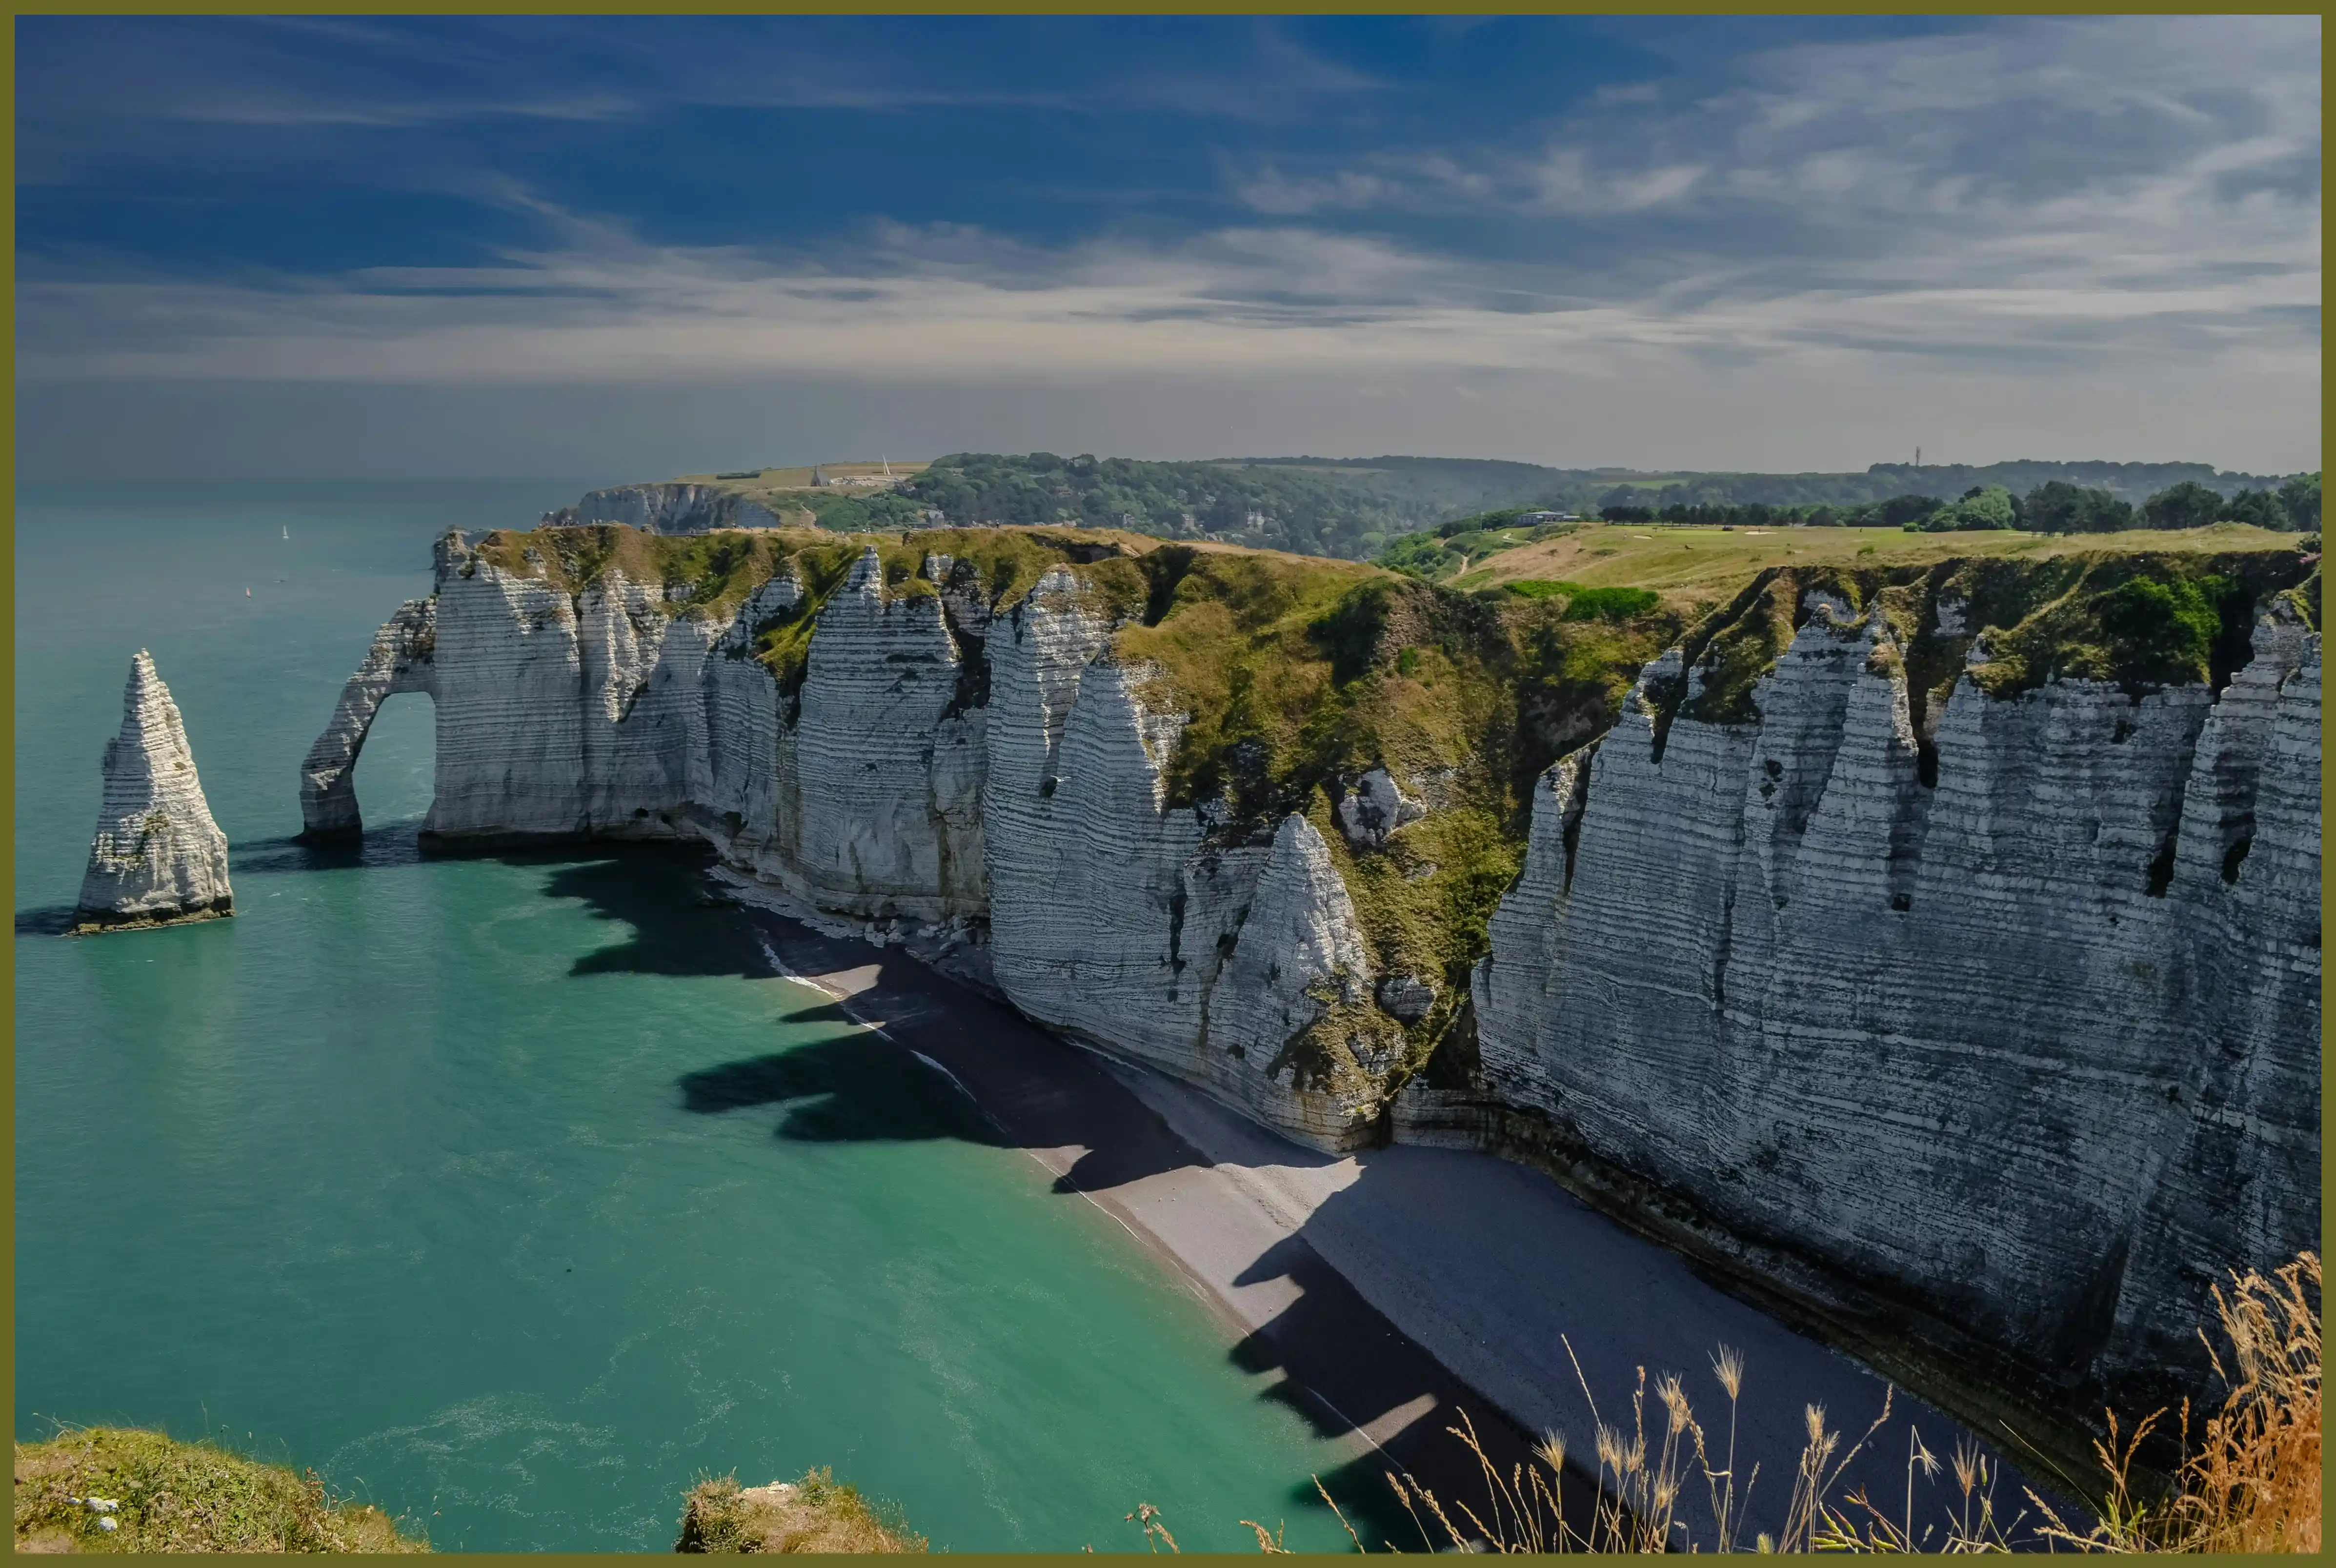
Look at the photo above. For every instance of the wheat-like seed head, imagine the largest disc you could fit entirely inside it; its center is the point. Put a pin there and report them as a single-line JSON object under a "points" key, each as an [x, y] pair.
{"points": [[1674, 1398], [1728, 1367], [1551, 1451]]}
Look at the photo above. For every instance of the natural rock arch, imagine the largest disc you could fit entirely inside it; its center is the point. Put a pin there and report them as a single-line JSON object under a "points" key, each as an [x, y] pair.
{"points": [[399, 661]]}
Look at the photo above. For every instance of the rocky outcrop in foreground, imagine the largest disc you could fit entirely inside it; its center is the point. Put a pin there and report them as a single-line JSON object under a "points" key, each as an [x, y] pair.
{"points": [[816, 1514], [157, 858], [1954, 970]]}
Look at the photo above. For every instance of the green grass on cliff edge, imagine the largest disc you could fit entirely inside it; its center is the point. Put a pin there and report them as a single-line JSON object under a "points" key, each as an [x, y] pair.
{"points": [[708, 576], [2141, 620], [163, 1496], [1298, 674]]}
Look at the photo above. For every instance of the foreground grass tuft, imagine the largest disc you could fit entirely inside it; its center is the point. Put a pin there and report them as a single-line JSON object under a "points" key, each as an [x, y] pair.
{"points": [[121, 1489], [815, 1513], [2252, 1485]]}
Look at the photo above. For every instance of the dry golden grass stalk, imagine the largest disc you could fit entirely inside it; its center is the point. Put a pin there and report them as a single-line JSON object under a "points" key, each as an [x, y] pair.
{"points": [[2253, 1485], [1156, 1531]]}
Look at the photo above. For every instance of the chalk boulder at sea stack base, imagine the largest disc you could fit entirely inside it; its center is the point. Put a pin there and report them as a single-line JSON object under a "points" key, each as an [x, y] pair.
{"points": [[157, 858]]}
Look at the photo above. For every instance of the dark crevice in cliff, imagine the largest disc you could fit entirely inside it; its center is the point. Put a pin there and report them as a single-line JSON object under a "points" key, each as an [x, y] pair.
{"points": [[1176, 928], [2234, 857], [1163, 570], [972, 690], [2161, 868], [1577, 806], [1720, 950], [2169, 811]]}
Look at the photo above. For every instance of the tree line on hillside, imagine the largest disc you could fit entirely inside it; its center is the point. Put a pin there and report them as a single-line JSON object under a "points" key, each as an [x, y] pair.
{"points": [[1271, 507], [1884, 482], [1357, 507], [2055, 506]]}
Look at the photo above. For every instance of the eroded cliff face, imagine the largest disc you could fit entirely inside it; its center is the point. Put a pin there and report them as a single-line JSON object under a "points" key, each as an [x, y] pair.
{"points": [[1120, 920], [2032, 1049], [1988, 987]]}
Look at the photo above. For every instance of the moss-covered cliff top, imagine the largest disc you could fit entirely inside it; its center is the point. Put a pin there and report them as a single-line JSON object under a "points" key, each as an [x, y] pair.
{"points": [[2143, 620], [709, 576], [1298, 676]]}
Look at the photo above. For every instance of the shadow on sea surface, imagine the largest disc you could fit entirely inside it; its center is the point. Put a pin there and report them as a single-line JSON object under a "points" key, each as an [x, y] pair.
{"points": [[654, 890], [392, 844], [838, 1090]]}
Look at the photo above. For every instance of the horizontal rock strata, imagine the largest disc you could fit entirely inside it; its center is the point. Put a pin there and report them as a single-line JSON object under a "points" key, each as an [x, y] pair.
{"points": [[157, 858], [2035, 1049]]}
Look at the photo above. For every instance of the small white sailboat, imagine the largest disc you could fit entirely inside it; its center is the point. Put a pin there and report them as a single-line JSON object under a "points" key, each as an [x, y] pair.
{"points": [[288, 530]]}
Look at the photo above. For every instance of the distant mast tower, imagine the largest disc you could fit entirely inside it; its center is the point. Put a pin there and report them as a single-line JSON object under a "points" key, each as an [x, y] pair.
{"points": [[1918, 457]]}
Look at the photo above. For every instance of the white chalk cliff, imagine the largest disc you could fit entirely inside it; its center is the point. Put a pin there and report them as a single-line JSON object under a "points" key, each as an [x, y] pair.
{"points": [[157, 857], [2036, 1049], [2026, 1035]]}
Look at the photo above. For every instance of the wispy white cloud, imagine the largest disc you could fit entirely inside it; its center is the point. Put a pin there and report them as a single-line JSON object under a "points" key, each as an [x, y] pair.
{"points": [[2118, 134], [600, 302]]}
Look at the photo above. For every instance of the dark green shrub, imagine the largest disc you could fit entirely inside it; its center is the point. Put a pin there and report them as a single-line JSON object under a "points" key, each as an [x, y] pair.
{"points": [[1585, 603], [1987, 506], [2300, 499], [2057, 506], [2163, 631], [2185, 505]]}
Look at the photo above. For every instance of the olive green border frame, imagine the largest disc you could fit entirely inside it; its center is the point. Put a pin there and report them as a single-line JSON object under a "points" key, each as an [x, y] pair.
{"points": [[929, 8]]}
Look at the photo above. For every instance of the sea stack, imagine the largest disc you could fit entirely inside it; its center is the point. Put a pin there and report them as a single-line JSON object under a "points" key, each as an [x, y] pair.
{"points": [[157, 858]]}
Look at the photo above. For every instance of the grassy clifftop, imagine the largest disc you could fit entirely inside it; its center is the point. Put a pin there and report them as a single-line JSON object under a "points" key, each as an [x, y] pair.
{"points": [[1706, 567], [121, 1489], [2140, 619], [816, 1514]]}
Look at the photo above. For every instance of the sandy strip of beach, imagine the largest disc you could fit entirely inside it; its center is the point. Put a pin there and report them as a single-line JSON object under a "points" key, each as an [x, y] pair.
{"points": [[1397, 1286]]}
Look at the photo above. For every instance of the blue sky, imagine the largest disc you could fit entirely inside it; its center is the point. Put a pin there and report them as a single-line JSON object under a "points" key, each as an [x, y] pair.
{"points": [[328, 247]]}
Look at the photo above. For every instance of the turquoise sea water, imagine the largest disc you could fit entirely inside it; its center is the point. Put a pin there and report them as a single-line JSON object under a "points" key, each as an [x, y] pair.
{"points": [[393, 1173]]}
